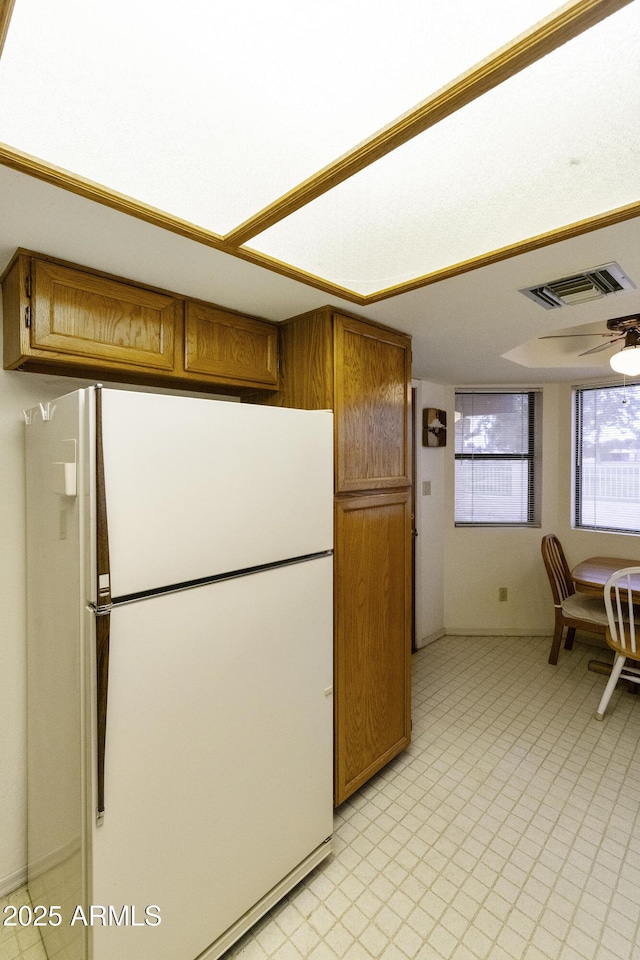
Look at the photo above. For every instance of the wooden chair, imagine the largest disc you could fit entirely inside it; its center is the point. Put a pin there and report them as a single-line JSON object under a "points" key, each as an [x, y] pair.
{"points": [[622, 618], [573, 610]]}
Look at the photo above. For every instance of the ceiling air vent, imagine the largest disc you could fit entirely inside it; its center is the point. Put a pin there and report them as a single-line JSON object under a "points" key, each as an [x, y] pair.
{"points": [[590, 285]]}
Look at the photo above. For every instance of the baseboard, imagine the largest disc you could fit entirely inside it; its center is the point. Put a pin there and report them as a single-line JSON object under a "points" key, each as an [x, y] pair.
{"points": [[13, 881], [41, 865], [495, 632], [429, 639]]}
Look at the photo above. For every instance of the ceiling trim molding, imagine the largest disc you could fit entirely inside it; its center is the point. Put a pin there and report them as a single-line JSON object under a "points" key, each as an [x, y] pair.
{"points": [[295, 273], [6, 9], [90, 190], [535, 43], [580, 227], [31, 166], [568, 232]]}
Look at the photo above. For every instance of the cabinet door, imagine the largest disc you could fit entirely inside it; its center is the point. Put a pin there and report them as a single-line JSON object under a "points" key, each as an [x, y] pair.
{"points": [[372, 397], [230, 347], [90, 317], [373, 641]]}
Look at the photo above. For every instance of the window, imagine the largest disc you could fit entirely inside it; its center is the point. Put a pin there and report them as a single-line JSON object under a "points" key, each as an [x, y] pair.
{"points": [[607, 458], [496, 449]]}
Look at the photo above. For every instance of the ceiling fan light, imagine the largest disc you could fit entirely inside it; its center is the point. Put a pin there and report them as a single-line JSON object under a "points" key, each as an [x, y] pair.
{"points": [[627, 360]]}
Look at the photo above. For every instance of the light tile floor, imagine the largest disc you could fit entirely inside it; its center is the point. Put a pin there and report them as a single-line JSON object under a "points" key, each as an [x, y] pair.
{"points": [[18, 943], [510, 829]]}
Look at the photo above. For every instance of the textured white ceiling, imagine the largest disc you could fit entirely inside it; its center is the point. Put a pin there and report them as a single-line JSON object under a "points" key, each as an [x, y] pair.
{"points": [[211, 110], [555, 144], [215, 110]]}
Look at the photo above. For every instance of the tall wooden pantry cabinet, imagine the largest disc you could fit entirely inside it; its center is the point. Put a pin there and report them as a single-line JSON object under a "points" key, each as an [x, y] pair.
{"points": [[362, 371]]}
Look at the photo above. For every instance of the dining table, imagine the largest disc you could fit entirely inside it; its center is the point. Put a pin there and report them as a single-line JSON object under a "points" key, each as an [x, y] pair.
{"points": [[590, 576]]}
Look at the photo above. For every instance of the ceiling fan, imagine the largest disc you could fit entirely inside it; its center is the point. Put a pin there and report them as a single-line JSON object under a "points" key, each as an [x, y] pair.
{"points": [[620, 328]]}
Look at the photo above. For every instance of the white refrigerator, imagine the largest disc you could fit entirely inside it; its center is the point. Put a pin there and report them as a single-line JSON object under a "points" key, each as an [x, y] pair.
{"points": [[179, 668]]}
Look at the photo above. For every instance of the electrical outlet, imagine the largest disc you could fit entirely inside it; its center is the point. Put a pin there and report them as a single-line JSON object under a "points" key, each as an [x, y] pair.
{"points": [[426, 488], [502, 593]]}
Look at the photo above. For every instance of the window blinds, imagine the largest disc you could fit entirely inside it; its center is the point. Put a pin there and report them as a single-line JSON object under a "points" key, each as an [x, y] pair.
{"points": [[607, 458], [495, 458]]}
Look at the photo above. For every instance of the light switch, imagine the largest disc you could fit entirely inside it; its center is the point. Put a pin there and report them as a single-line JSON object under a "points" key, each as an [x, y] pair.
{"points": [[426, 488]]}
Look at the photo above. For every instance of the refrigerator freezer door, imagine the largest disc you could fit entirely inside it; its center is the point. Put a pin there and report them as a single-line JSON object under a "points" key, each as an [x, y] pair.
{"points": [[197, 487], [218, 756]]}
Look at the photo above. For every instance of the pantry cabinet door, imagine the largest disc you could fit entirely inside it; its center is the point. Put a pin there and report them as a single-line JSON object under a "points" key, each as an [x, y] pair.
{"points": [[373, 635], [372, 406]]}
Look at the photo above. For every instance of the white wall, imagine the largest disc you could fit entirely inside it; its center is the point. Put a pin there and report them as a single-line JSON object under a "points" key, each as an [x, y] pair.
{"points": [[477, 561], [459, 570], [480, 560], [430, 519]]}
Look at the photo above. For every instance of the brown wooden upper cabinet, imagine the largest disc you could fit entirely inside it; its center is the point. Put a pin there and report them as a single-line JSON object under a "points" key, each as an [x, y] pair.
{"points": [[361, 371], [64, 319], [77, 313], [219, 343]]}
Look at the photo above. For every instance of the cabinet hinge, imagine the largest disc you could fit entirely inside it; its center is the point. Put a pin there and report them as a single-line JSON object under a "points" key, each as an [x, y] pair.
{"points": [[27, 285], [27, 316]]}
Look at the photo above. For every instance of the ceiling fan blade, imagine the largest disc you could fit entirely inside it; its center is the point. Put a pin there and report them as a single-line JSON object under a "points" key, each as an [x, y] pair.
{"points": [[601, 346], [556, 336]]}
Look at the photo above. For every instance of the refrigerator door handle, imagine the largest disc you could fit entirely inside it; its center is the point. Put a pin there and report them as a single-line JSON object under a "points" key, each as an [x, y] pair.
{"points": [[103, 628], [103, 609]]}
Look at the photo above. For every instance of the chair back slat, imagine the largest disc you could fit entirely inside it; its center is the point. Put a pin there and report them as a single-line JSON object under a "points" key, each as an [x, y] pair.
{"points": [[621, 612], [557, 569]]}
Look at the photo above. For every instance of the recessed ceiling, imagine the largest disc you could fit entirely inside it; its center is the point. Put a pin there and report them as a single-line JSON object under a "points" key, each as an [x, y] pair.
{"points": [[569, 346], [489, 125]]}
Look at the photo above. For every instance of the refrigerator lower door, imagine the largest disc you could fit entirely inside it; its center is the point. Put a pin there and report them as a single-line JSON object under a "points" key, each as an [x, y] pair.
{"points": [[218, 759]]}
